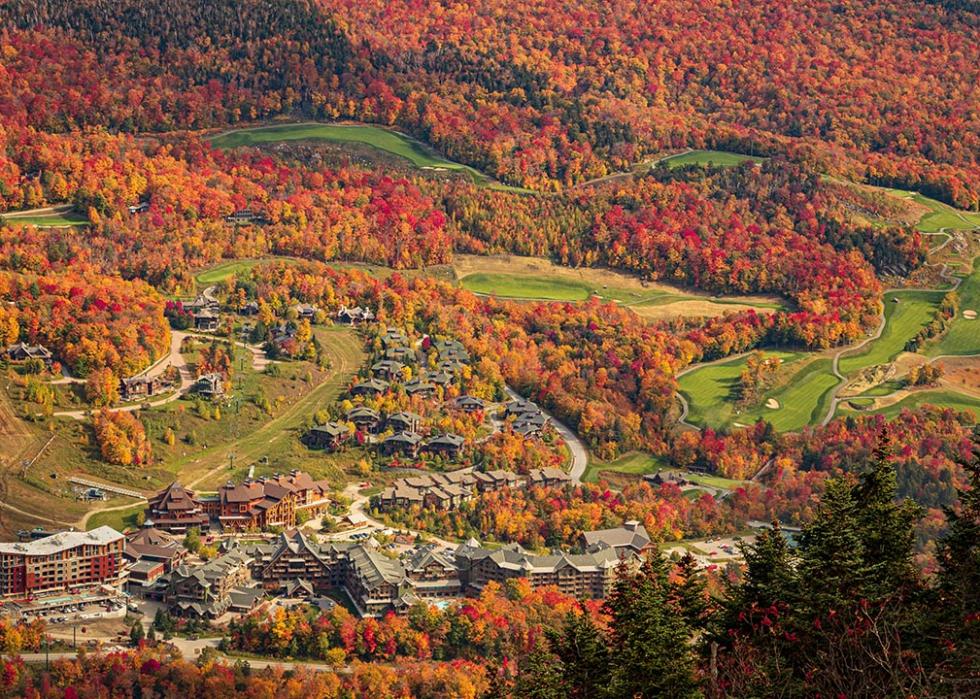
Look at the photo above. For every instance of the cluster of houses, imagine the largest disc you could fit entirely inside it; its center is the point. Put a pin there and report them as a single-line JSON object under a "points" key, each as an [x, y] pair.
{"points": [[397, 354], [528, 419], [296, 566], [405, 439], [152, 563], [447, 491], [255, 504]]}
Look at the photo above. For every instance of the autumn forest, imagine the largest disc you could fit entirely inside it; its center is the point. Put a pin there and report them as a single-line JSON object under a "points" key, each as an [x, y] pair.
{"points": [[754, 194]]}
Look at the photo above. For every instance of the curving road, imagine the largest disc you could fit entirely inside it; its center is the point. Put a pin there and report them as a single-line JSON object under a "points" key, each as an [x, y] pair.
{"points": [[835, 399], [176, 359], [685, 407], [579, 454]]}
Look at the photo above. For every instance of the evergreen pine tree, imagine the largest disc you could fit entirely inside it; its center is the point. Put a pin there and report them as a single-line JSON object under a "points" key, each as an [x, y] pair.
{"points": [[584, 655], [651, 641], [136, 633], [540, 677], [955, 611], [832, 554]]}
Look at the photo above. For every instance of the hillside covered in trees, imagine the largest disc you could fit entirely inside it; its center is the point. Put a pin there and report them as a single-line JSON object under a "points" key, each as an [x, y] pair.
{"points": [[561, 119]]}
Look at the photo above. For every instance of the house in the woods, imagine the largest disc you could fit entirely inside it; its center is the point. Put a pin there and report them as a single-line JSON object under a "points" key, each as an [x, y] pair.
{"points": [[420, 387], [210, 386], [366, 419], [469, 404], [141, 387], [405, 443], [22, 352], [403, 422], [547, 477], [387, 369], [329, 436], [355, 315], [371, 387], [206, 320], [448, 445]]}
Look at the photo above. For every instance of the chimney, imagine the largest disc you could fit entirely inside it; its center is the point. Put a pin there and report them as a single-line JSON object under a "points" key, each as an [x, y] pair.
{"points": [[631, 525]]}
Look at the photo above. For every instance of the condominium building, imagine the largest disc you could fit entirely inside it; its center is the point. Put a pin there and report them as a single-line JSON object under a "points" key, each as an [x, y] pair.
{"points": [[64, 561], [587, 575]]}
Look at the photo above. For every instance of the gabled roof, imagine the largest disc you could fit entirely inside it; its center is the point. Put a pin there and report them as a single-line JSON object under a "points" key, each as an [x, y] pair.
{"points": [[174, 498], [633, 535], [411, 438], [362, 411], [332, 429], [426, 556], [374, 568], [416, 385], [453, 441], [404, 417], [466, 400], [373, 385]]}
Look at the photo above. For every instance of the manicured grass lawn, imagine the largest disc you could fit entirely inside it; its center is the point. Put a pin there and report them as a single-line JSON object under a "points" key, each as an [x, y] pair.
{"points": [[941, 215], [62, 219], [710, 391], [964, 335], [715, 481], [117, 519], [382, 139], [802, 401], [223, 271], [942, 399], [634, 463], [522, 286], [902, 321], [518, 286], [712, 157]]}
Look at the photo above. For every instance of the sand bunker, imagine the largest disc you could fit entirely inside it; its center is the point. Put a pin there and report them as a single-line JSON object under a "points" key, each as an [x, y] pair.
{"points": [[772, 404], [970, 314]]}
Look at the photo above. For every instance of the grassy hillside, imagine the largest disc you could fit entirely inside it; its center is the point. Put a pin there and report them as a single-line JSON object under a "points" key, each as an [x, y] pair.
{"points": [[384, 140], [939, 398]]}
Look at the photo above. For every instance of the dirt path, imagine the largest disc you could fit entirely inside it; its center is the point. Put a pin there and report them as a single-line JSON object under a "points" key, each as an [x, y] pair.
{"points": [[272, 430], [635, 170]]}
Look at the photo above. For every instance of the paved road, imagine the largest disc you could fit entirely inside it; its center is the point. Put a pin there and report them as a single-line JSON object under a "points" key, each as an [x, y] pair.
{"points": [[835, 400], [685, 408], [580, 455], [172, 358]]}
